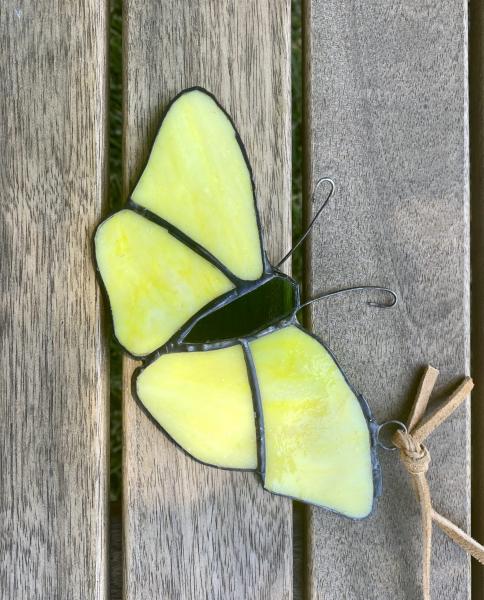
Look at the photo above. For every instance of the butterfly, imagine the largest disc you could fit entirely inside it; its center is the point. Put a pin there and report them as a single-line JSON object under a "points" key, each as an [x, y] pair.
{"points": [[229, 373]]}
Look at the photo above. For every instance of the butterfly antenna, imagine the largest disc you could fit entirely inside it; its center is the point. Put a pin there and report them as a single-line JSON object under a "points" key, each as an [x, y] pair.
{"points": [[310, 226], [392, 301]]}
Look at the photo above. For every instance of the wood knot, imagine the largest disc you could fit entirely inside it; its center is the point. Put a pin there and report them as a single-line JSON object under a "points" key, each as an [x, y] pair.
{"points": [[414, 455]]}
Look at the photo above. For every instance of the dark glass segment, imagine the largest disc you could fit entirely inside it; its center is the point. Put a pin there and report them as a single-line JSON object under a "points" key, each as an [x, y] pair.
{"points": [[270, 302]]}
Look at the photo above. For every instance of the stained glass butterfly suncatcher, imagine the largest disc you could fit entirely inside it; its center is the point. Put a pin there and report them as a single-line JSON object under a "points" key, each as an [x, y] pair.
{"points": [[228, 371]]}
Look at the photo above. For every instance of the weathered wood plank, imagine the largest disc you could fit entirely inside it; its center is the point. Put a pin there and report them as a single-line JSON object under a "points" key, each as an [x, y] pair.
{"points": [[190, 531], [388, 120], [54, 384]]}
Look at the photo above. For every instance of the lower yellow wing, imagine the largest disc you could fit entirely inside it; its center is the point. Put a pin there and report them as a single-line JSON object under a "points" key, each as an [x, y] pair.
{"points": [[313, 433], [317, 439], [203, 401]]}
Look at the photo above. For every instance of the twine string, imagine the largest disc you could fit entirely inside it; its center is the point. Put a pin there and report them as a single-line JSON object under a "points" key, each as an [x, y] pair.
{"points": [[415, 458]]}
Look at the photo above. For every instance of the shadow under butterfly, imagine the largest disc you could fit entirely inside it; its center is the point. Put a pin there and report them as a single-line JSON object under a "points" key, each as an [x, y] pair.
{"points": [[228, 371]]}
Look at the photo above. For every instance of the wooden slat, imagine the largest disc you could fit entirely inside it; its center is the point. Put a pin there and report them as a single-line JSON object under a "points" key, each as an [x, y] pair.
{"points": [[54, 383], [191, 531], [387, 114]]}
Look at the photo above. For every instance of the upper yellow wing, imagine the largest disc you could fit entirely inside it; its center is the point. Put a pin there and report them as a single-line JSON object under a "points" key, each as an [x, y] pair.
{"points": [[197, 178]]}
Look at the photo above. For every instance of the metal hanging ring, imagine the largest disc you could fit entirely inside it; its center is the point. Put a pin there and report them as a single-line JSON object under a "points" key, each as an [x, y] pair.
{"points": [[400, 425]]}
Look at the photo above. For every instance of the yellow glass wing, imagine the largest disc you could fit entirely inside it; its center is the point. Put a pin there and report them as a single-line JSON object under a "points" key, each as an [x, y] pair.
{"points": [[317, 442], [155, 283], [203, 400], [198, 180]]}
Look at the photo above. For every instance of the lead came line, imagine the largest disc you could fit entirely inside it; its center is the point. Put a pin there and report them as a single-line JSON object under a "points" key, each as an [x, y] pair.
{"points": [[183, 238], [258, 413]]}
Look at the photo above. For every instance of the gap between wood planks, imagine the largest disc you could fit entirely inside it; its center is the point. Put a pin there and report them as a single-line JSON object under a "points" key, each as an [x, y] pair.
{"points": [[476, 140]]}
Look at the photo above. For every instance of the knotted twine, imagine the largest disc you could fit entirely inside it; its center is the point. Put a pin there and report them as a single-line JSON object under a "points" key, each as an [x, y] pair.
{"points": [[416, 460]]}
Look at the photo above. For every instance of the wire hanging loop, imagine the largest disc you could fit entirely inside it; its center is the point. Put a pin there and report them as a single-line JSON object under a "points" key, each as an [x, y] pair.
{"points": [[379, 438], [393, 297], [313, 221]]}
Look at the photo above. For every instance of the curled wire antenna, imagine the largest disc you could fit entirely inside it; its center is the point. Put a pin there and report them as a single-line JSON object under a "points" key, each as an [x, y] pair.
{"points": [[392, 302], [313, 221]]}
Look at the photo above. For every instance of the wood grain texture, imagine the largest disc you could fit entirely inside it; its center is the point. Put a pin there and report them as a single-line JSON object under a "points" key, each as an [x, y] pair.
{"points": [[387, 105], [192, 531], [54, 383]]}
